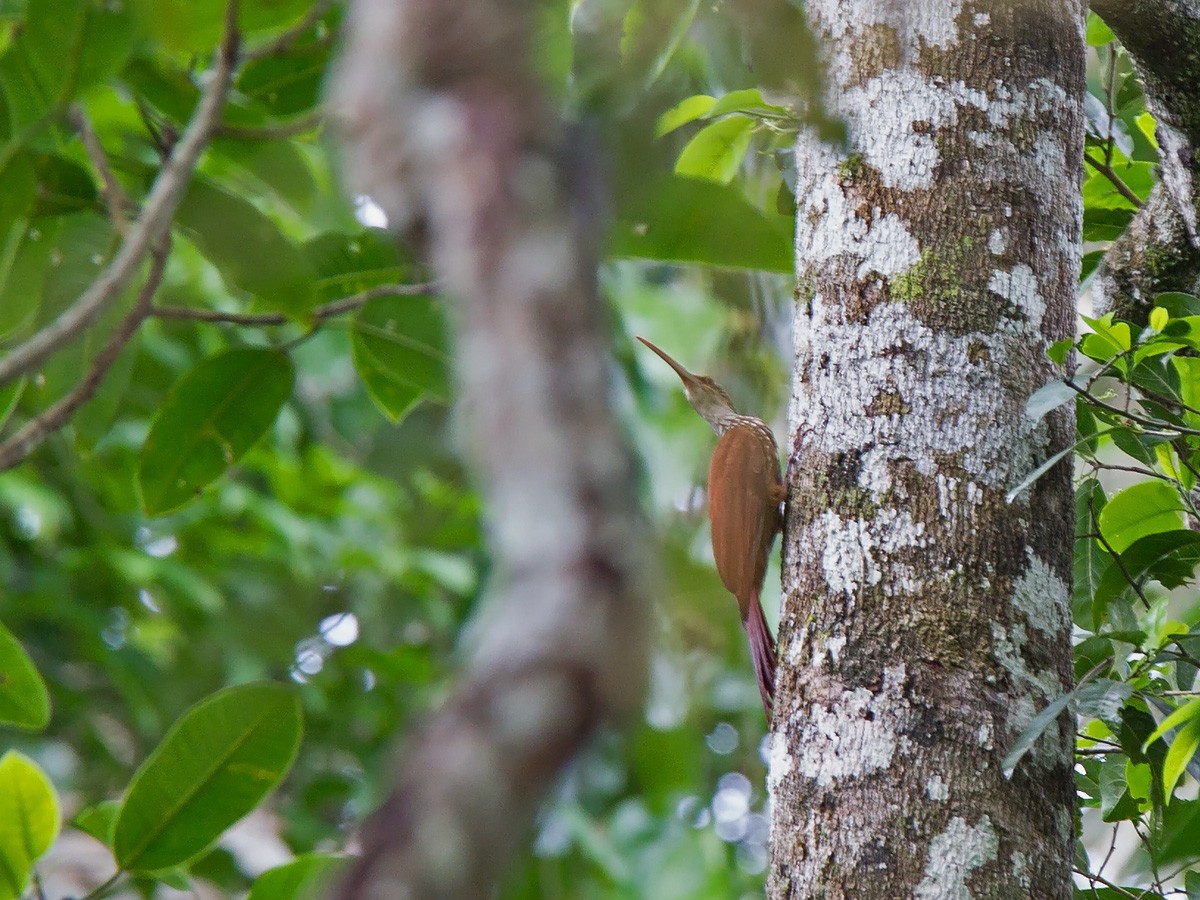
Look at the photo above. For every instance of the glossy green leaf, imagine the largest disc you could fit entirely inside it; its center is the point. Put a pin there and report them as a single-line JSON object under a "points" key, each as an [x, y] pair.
{"points": [[63, 186], [196, 26], [63, 48], [1116, 804], [98, 820], [400, 353], [1183, 749], [301, 879], [1150, 507], [716, 152], [24, 700], [1169, 557], [1181, 716], [215, 765], [1098, 34], [348, 264], [287, 84], [10, 396], [213, 415], [24, 262], [749, 100], [687, 110], [247, 247], [1178, 304], [689, 220], [29, 820]]}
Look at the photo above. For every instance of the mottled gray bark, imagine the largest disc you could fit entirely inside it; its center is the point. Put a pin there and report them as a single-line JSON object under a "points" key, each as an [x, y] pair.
{"points": [[447, 127], [1160, 250], [925, 619]]}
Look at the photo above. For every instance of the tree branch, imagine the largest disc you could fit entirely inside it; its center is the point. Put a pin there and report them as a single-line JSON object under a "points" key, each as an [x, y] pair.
{"points": [[1108, 172], [282, 131], [164, 197], [446, 125], [320, 314], [26, 439], [118, 204], [1160, 250]]}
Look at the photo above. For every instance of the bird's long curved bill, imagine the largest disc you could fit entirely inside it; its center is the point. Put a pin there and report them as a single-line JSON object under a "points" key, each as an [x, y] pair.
{"points": [[683, 373]]}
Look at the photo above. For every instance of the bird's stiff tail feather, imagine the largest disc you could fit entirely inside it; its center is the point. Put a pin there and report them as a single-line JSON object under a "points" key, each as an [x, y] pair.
{"points": [[762, 652]]}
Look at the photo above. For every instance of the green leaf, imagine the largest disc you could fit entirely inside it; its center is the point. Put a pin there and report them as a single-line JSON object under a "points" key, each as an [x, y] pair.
{"points": [[716, 152], [1098, 34], [1086, 691], [1045, 467], [1116, 804], [1179, 305], [1159, 318], [29, 820], [247, 247], [1183, 748], [63, 48], [215, 765], [287, 84], [1169, 557], [1047, 398], [99, 820], [1057, 352], [1108, 339], [349, 264], [1150, 507], [10, 396], [399, 349], [687, 110], [688, 220], [24, 262], [300, 879], [195, 26], [1181, 716], [749, 100], [210, 419], [1191, 884], [24, 700]]}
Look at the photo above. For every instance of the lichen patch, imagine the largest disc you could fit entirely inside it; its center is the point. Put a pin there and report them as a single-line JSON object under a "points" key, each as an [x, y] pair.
{"points": [[953, 856], [855, 734]]}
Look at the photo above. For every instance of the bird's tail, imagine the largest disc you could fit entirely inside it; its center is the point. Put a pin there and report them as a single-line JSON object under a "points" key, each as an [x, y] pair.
{"points": [[762, 651]]}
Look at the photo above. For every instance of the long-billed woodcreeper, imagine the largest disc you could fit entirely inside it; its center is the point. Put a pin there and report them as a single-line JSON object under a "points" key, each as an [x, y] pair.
{"points": [[744, 494]]}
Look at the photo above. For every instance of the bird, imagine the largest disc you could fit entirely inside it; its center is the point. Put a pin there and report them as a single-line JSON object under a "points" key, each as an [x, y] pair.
{"points": [[745, 491]]}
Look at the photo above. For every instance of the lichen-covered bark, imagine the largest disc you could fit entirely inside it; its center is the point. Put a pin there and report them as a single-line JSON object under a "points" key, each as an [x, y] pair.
{"points": [[925, 619], [1160, 251]]}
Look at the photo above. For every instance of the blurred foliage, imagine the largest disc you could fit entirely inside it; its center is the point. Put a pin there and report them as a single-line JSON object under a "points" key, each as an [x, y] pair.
{"points": [[266, 487]]}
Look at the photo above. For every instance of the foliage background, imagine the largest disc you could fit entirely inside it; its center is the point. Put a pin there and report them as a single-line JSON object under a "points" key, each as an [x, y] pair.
{"points": [[344, 551]]}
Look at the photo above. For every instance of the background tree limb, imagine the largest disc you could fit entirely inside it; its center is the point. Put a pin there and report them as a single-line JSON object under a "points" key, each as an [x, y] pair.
{"points": [[447, 128], [1160, 250]]}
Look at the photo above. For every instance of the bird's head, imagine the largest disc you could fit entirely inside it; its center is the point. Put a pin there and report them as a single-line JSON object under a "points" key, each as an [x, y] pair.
{"points": [[706, 396]]}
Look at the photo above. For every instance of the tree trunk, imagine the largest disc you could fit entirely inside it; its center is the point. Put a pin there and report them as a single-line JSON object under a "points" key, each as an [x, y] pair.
{"points": [[926, 620]]}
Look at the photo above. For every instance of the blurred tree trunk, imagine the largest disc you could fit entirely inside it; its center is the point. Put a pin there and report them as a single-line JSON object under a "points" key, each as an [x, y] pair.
{"points": [[926, 620]]}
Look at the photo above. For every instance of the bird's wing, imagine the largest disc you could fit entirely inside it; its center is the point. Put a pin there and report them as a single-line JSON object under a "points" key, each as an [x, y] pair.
{"points": [[742, 509]]}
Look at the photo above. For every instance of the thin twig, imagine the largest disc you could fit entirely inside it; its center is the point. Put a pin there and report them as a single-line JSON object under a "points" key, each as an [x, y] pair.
{"points": [[40, 427], [119, 205], [1132, 417], [164, 197], [285, 39], [1108, 172], [1093, 878], [320, 314], [280, 132]]}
